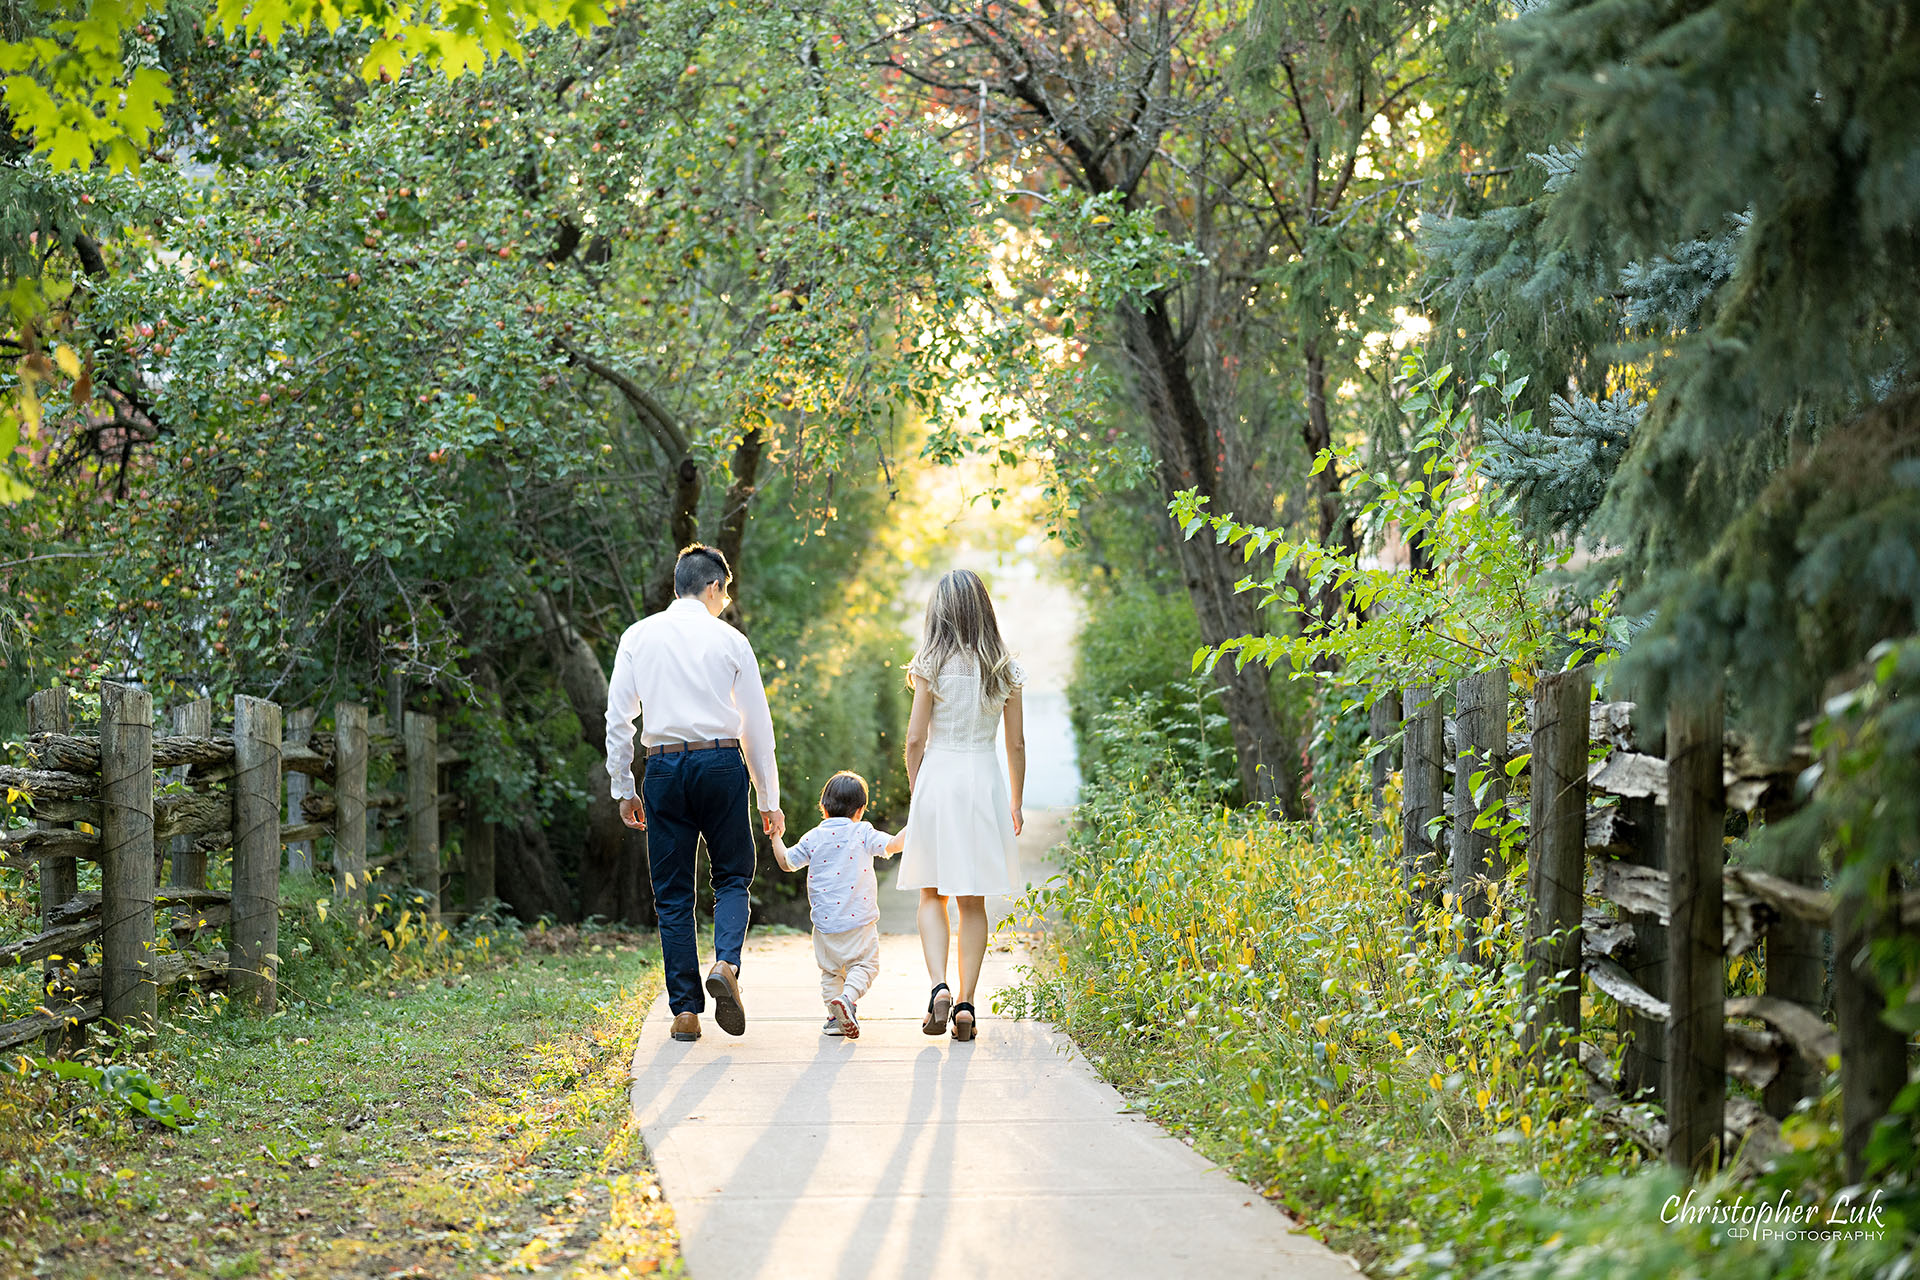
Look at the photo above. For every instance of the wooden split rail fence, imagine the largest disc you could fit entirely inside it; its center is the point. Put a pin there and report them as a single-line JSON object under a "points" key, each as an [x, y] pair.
{"points": [[1628, 889], [133, 803]]}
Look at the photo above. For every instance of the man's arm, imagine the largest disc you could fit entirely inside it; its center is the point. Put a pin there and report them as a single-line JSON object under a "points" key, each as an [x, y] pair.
{"points": [[756, 733], [623, 704]]}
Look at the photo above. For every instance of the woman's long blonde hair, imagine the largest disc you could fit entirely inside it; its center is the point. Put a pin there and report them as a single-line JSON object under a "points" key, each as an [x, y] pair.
{"points": [[960, 621]]}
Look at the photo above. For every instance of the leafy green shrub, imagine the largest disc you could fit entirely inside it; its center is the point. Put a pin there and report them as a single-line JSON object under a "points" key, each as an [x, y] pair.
{"points": [[1253, 983], [325, 949], [1136, 709], [128, 1086], [1171, 739]]}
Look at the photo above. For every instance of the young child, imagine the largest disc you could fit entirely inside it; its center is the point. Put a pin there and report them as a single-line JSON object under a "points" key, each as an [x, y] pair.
{"points": [[844, 896]]}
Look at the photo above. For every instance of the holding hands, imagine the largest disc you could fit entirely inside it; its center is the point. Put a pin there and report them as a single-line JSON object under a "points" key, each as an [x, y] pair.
{"points": [[633, 812]]}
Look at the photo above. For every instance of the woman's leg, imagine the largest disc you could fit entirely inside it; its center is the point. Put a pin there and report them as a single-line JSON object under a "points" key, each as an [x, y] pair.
{"points": [[973, 943], [935, 933]]}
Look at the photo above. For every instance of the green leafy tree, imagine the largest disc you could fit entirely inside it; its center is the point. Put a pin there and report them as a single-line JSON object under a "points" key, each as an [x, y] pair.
{"points": [[1485, 601], [1798, 126], [1271, 156], [1738, 182], [436, 375]]}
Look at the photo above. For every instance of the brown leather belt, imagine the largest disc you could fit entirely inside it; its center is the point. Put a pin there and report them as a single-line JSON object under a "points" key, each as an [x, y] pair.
{"points": [[674, 748]]}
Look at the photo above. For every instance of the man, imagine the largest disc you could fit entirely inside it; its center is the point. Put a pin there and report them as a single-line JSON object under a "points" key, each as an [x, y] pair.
{"points": [[706, 731]]}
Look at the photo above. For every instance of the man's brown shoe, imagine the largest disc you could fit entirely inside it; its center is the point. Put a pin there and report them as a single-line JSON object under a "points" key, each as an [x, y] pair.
{"points": [[724, 987], [686, 1026]]}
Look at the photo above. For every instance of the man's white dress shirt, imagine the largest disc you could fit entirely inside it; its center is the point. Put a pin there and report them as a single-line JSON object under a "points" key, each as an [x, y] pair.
{"points": [[693, 678]]}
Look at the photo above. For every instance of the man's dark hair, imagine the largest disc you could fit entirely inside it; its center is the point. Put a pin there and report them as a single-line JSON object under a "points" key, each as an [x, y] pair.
{"points": [[844, 795], [698, 567]]}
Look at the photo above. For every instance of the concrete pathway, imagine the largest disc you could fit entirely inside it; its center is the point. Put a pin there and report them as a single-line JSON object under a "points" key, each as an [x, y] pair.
{"points": [[790, 1154]]}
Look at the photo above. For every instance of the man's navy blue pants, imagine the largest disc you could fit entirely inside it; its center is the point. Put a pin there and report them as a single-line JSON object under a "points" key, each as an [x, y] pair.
{"points": [[689, 794]]}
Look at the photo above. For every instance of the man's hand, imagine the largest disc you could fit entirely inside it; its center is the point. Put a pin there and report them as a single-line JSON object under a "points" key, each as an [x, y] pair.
{"points": [[634, 813], [774, 821]]}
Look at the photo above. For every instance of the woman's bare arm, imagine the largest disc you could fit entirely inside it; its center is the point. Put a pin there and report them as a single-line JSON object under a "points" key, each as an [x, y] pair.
{"points": [[1014, 716], [918, 722]]}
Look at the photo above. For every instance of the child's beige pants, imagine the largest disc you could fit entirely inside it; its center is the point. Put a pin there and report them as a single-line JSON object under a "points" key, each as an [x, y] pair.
{"points": [[848, 961]]}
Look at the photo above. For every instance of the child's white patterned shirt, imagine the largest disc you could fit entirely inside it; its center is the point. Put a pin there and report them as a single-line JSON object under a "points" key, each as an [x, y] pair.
{"points": [[841, 888]]}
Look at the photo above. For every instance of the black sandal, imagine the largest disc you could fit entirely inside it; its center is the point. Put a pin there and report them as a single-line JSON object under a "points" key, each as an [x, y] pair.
{"points": [[937, 1007], [964, 1030]]}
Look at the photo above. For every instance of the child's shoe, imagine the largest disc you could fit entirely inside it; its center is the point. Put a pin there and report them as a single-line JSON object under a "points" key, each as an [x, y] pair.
{"points": [[842, 1010]]}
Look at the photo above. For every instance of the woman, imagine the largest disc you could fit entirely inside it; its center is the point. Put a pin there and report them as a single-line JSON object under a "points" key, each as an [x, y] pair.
{"points": [[961, 828]]}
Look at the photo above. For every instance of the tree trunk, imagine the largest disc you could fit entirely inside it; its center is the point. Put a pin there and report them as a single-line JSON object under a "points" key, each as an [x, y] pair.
{"points": [[613, 881], [733, 513], [683, 525], [1333, 525], [1191, 455], [527, 875]]}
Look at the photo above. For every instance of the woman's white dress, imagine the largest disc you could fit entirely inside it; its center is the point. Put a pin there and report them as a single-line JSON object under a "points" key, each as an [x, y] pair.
{"points": [[960, 821]]}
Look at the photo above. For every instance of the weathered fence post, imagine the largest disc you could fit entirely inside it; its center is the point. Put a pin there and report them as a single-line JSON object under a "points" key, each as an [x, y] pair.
{"points": [[477, 844], [1423, 784], [1556, 863], [1643, 1062], [255, 961], [51, 711], [350, 805], [396, 708], [423, 808], [1696, 1084], [189, 870], [1796, 971], [129, 997], [1383, 724], [299, 733], [1480, 712], [1873, 1055]]}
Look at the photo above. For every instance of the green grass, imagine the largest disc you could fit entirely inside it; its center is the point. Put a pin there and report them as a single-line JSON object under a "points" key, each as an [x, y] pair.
{"points": [[468, 1123]]}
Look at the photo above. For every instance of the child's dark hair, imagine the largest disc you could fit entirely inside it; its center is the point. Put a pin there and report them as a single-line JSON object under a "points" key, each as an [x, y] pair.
{"points": [[844, 795]]}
